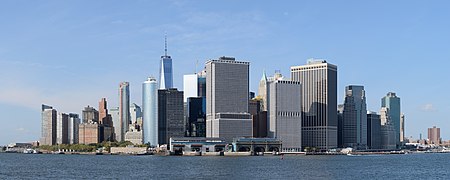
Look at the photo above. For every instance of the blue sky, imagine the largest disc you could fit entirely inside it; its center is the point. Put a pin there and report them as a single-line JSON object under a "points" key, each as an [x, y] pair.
{"points": [[69, 54]]}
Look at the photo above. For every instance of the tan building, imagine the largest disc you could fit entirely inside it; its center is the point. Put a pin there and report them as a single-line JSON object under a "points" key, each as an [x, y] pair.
{"points": [[434, 135], [105, 121], [88, 133], [134, 136]]}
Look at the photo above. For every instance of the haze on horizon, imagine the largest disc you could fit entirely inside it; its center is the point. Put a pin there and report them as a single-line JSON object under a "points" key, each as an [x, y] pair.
{"points": [[69, 54]]}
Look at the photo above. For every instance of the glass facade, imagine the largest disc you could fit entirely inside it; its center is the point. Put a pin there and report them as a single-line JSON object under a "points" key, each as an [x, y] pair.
{"points": [[124, 108], [392, 102], [150, 111], [166, 74]]}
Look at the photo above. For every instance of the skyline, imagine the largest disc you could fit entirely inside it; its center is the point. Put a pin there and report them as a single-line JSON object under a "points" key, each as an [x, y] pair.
{"points": [[69, 60]]}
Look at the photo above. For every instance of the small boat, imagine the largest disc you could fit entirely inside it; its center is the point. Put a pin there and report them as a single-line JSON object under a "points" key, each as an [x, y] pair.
{"points": [[28, 151]]}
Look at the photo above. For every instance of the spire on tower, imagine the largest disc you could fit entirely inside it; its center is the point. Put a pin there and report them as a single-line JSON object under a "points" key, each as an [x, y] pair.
{"points": [[165, 44]]}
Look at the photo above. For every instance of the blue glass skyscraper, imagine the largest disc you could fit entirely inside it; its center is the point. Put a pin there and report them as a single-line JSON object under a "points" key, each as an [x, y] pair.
{"points": [[392, 102], [165, 70], [150, 111]]}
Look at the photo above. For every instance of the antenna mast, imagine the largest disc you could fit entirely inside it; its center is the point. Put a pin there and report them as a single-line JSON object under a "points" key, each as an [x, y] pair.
{"points": [[165, 44]]}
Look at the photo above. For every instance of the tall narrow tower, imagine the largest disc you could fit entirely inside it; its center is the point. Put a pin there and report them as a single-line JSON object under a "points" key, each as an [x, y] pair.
{"points": [[150, 111], [165, 69], [124, 109]]}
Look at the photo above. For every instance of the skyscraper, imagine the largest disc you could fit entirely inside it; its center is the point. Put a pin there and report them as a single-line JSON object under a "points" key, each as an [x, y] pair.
{"points": [[105, 122], [284, 111], [165, 71], [73, 130], [227, 90], [402, 128], [262, 91], [355, 117], [373, 130], [124, 109], [114, 112], [194, 85], [90, 115], [89, 130], [388, 135], [259, 117], [170, 115], [392, 102], [150, 111], [340, 117], [135, 113], [319, 103], [434, 135], [263, 88], [48, 129], [196, 117], [194, 89], [62, 128]]}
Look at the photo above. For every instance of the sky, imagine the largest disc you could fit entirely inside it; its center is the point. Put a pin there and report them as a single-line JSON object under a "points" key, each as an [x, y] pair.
{"points": [[71, 53]]}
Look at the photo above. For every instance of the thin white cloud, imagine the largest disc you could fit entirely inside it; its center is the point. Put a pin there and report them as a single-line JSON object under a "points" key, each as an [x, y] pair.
{"points": [[32, 64], [428, 107]]}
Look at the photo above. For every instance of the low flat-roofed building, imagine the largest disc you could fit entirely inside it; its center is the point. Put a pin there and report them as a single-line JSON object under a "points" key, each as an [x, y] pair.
{"points": [[197, 144], [256, 145], [128, 150]]}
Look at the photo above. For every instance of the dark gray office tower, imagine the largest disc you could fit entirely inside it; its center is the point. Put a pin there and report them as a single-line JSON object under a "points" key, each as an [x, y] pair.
{"points": [[48, 128], [170, 114], [90, 115], [355, 118], [196, 117], [373, 130], [259, 118], [340, 125], [319, 103]]}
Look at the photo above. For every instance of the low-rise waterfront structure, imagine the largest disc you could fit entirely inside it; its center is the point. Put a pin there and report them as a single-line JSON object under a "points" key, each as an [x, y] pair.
{"points": [[178, 145]]}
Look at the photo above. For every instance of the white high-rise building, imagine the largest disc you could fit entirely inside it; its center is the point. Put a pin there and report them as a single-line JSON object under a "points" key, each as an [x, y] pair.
{"points": [[73, 128], [62, 133], [190, 86], [227, 89], [284, 111], [150, 111], [48, 128]]}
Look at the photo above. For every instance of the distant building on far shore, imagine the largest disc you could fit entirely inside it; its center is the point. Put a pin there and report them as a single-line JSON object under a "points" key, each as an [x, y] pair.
{"points": [[48, 129], [434, 135]]}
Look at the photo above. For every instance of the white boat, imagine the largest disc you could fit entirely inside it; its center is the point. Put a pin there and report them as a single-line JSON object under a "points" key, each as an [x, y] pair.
{"points": [[28, 151]]}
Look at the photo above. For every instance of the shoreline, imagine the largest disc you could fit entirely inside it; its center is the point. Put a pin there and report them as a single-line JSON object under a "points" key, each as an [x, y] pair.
{"points": [[243, 154]]}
